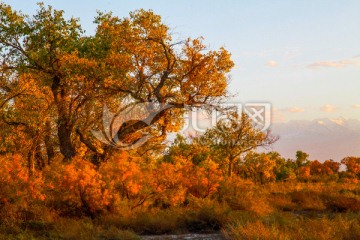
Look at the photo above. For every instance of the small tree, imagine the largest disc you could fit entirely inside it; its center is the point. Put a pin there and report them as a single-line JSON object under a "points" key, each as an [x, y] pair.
{"points": [[301, 158], [259, 167], [232, 137]]}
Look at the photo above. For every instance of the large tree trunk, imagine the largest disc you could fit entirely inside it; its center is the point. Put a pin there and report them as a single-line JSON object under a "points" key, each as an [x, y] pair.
{"points": [[66, 147], [261, 178], [49, 144], [64, 123]]}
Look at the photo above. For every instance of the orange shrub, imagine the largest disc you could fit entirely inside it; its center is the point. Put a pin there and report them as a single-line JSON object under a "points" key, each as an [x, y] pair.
{"points": [[126, 181], [203, 180], [77, 186], [16, 187], [168, 184], [137, 184], [162, 184]]}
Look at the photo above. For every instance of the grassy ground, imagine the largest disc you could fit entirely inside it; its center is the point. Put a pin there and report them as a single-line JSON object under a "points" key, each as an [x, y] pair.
{"points": [[272, 211]]}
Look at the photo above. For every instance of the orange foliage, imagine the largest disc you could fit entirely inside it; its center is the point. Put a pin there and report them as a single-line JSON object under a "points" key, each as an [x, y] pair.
{"points": [[203, 180], [304, 172], [78, 184], [167, 184], [352, 166], [16, 187], [125, 180]]}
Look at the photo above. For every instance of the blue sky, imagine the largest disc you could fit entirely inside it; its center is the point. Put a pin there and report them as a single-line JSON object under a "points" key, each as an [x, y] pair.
{"points": [[301, 56]]}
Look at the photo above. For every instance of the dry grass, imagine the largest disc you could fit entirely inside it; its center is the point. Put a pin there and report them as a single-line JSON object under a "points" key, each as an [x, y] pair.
{"points": [[273, 211], [292, 227]]}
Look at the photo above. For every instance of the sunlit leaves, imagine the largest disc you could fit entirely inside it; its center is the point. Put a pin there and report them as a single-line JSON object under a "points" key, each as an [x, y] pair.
{"points": [[128, 61], [16, 187]]}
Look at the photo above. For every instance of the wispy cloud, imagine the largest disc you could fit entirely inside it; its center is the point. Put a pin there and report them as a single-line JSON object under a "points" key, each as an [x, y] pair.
{"points": [[272, 64], [333, 64], [291, 110], [283, 53], [356, 106], [291, 53], [279, 115], [328, 108], [295, 110]]}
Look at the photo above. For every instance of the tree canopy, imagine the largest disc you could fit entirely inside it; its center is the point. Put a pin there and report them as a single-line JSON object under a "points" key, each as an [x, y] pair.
{"points": [[55, 79]]}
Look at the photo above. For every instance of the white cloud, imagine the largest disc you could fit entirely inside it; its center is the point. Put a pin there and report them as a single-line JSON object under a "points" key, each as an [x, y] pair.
{"points": [[356, 106], [333, 64], [272, 64], [295, 110], [339, 121], [278, 115], [328, 108], [291, 53]]}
